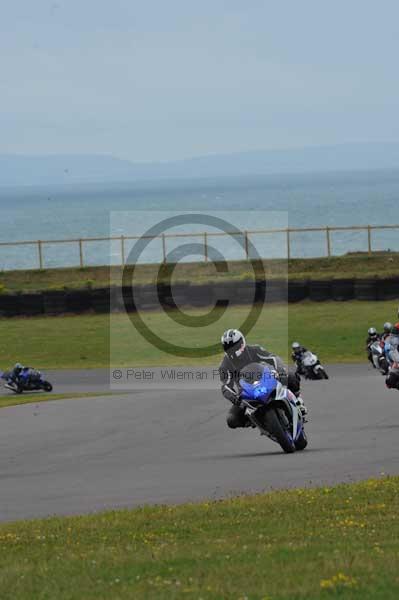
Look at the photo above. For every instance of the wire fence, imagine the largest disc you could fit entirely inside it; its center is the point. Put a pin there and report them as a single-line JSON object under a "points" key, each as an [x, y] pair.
{"points": [[38, 249]]}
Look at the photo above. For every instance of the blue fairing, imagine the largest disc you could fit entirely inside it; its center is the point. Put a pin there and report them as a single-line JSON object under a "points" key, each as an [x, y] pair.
{"points": [[259, 390]]}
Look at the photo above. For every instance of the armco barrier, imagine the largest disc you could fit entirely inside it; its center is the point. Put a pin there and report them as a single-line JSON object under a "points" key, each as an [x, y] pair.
{"points": [[102, 300]]}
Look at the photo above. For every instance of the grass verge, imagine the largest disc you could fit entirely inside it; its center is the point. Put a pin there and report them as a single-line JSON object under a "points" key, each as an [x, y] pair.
{"points": [[335, 330], [339, 542], [36, 398], [384, 264]]}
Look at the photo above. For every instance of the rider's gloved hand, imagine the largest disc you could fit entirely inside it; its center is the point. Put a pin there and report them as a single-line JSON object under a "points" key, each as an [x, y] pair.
{"points": [[231, 395]]}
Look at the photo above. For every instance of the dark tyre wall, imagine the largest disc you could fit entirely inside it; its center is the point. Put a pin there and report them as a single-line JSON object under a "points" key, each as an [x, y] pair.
{"points": [[298, 290], [366, 289], [343, 289], [319, 291], [79, 301], [54, 303], [9, 305], [101, 299], [200, 295], [31, 304], [388, 289], [276, 290], [104, 300]]}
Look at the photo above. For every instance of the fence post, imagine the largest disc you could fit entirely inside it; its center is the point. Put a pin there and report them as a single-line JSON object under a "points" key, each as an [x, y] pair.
{"points": [[39, 249], [288, 244], [328, 241], [123, 250], [246, 245], [206, 246], [80, 253], [369, 238], [163, 248]]}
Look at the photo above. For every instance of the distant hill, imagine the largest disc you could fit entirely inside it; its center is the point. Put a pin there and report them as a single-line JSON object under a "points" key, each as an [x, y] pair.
{"points": [[63, 169]]}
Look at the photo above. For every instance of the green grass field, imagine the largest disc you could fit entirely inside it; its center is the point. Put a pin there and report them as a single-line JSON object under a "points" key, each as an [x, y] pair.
{"points": [[359, 265], [336, 330], [340, 542]]}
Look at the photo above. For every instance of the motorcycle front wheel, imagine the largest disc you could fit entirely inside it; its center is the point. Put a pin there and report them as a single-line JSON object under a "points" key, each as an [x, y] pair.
{"points": [[302, 441], [47, 386], [274, 426]]}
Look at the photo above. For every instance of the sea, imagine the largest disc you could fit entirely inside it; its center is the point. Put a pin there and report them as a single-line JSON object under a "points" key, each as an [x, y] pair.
{"points": [[217, 206]]}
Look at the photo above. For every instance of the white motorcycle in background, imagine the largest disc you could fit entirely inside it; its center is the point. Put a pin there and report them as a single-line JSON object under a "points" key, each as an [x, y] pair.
{"points": [[378, 357], [309, 366]]}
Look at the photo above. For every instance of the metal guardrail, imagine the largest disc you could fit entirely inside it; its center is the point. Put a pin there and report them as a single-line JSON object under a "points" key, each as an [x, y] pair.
{"points": [[40, 244]]}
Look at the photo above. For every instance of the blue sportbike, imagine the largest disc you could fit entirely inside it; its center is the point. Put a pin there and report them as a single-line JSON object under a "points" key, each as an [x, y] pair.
{"points": [[272, 408], [29, 380]]}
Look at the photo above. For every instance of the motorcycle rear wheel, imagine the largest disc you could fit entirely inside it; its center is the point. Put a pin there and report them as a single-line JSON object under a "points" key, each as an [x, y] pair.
{"points": [[274, 426]]}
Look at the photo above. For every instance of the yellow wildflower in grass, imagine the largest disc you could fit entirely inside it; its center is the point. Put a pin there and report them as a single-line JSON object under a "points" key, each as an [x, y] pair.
{"points": [[337, 582]]}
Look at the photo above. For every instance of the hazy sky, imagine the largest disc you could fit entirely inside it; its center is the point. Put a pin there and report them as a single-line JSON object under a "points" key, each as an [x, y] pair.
{"points": [[165, 79]]}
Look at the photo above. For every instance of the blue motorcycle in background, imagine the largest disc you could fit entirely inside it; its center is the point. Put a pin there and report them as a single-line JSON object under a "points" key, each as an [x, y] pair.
{"points": [[272, 408], [29, 380]]}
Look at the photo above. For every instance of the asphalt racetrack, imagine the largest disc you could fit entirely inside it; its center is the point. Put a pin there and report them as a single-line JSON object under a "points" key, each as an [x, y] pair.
{"points": [[169, 444]]}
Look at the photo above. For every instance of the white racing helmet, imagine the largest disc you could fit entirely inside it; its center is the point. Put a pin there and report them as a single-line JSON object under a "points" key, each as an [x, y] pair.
{"points": [[233, 342]]}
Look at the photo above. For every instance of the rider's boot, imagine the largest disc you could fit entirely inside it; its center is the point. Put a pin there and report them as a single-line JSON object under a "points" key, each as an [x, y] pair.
{"points": [[300, 404]]}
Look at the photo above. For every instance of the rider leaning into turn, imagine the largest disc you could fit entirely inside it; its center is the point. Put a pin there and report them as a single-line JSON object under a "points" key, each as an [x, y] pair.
{"points": [[16, 372], [21, 374], [237, 355], [386, 330], [297, 352], [372, 336]]}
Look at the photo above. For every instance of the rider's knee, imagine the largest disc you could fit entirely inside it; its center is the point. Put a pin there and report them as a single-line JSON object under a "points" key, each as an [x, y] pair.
{"points": [[231, 421]]}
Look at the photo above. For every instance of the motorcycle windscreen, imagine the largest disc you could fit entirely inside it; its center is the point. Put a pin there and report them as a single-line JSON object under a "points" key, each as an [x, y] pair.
{"points": [[262, 386], [376, 348]]}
